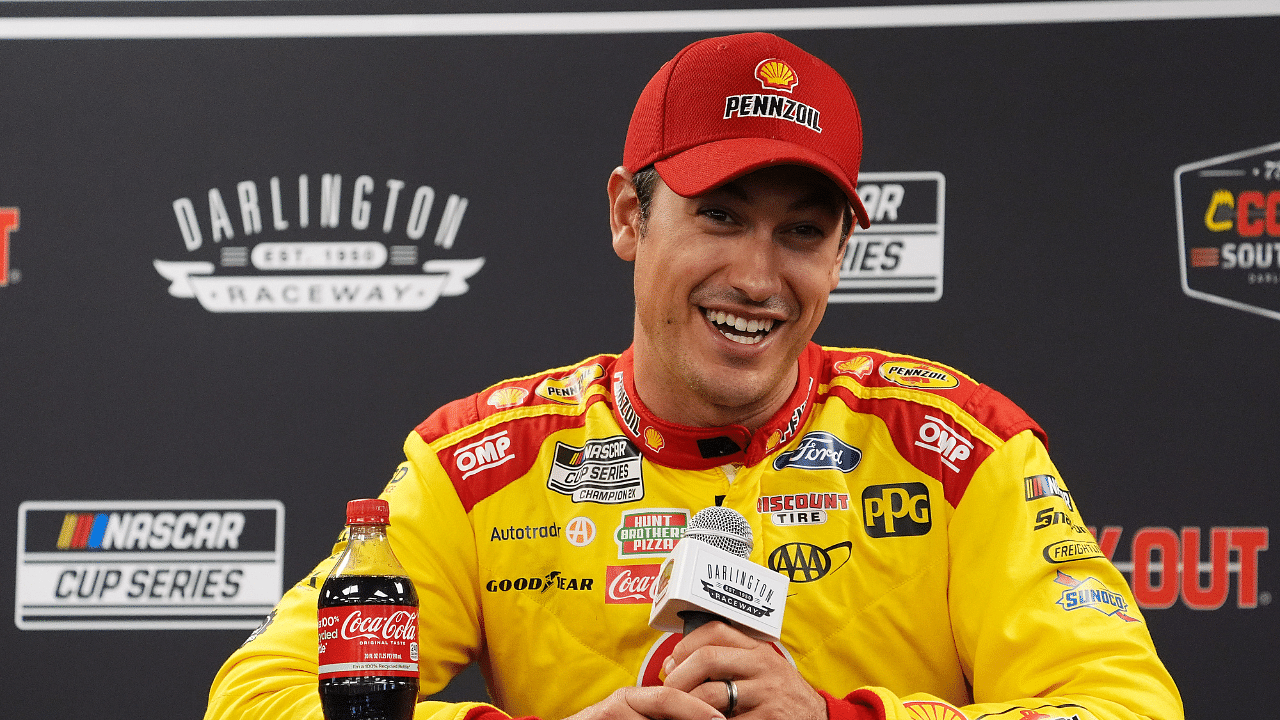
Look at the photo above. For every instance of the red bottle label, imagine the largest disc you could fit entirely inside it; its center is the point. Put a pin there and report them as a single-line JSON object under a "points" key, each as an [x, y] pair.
{"points": [[368, 640]]}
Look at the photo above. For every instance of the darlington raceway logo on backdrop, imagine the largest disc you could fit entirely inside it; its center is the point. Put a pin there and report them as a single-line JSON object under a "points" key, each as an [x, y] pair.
{"points": [[898, 258], [148, 564], [1229, 229], [317, 247]]}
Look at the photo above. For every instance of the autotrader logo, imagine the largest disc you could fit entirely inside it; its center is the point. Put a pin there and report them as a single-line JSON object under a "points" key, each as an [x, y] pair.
{"points": [[1229, 229]]}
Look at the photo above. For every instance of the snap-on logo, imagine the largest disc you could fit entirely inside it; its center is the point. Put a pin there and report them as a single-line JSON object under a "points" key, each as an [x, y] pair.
{"points": [[941, 438]]}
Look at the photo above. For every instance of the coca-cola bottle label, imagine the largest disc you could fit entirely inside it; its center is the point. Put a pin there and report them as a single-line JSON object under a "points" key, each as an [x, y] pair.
{"points": [[368, 640]]}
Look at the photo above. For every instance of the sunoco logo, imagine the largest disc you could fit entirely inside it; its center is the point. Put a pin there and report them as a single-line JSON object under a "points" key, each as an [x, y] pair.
{"points": [[148, 564], [899, 258], [1091, 593], [339, 262], [606, 471], [1229, 229]]}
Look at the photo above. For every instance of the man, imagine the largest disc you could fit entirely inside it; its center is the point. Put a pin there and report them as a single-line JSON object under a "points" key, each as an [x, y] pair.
{"points": [[940, 569]]}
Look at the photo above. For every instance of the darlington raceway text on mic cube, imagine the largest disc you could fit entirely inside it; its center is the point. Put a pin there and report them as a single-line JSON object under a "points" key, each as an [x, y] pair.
{"points": [[698, 576]]}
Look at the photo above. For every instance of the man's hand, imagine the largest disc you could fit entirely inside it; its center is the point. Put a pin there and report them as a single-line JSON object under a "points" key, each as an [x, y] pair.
{"points": [[769, 687], [655, 703]]}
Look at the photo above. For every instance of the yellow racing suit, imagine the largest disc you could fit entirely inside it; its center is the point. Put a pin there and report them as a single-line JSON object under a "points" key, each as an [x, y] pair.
{"points": [[939, 566]]}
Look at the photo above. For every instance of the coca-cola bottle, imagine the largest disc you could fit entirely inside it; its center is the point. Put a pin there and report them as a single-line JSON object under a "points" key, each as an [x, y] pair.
{"points": [[368, 625]]}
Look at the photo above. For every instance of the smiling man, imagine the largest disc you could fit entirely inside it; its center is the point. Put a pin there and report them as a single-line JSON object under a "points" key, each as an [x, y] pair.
{"points": [[937, 563]]}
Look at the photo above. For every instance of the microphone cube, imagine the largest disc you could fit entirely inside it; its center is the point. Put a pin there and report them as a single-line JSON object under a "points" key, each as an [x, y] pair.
{"points": [[699, 576]]}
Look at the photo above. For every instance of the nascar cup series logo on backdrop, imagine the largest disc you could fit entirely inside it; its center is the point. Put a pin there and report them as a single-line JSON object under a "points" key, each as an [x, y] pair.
{"points": [[898, 258], [156, 564], [260, 248], [1229, 229]]}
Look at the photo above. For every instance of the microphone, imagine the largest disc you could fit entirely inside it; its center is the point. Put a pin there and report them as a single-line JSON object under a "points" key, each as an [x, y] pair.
{"points": [[708, 577]]}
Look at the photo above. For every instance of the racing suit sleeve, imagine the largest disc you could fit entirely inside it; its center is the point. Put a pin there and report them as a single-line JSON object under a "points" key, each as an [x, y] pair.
{"points": [[1045, 626], [274, 674]]}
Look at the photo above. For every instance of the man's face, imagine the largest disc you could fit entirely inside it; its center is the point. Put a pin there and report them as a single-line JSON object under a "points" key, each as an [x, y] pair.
{"points": [[729, 288]]}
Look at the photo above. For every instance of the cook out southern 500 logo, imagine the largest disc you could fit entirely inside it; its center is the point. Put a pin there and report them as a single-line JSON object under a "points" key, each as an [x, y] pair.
{"points": [[307, 263]]}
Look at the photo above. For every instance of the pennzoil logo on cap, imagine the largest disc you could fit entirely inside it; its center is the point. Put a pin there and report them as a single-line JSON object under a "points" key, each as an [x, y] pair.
{"points": [[775, 74]]}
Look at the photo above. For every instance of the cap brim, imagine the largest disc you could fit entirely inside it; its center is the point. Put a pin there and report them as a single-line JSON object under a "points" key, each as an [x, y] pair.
{"points": [[710, 165]]}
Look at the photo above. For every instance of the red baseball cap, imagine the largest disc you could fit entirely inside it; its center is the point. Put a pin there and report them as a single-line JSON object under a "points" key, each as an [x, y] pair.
{"points": [[725, 106]]}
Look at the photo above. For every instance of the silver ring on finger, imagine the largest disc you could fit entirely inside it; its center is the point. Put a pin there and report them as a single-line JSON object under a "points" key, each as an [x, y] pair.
{"points": [[732, 689]]}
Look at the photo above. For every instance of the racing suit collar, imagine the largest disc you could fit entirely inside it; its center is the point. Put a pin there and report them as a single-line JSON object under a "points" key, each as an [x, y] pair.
{"points": [[702, 448]]}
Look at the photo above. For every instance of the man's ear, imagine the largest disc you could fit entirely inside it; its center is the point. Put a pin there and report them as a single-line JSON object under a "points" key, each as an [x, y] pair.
{"points": [[835, 269], [624, 214]]}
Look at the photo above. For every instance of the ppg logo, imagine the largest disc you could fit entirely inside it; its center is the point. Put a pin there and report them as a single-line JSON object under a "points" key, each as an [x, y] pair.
{"points": [[937, 436], [896, 510]]}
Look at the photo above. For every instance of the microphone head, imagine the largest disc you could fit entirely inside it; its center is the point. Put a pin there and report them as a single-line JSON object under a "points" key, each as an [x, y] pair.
{"points": [[723, 528]]}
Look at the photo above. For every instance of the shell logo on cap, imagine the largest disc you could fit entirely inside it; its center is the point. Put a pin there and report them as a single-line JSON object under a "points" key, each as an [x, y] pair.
{"points": [[775, 74], [507, 397]]}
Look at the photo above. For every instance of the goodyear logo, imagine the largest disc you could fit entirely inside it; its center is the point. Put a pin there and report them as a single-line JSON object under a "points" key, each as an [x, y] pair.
{"points": [[820, 450], [1092, 593], [1229, 229], [568, 389], [153, 564], [896, 510], [916, 374]]}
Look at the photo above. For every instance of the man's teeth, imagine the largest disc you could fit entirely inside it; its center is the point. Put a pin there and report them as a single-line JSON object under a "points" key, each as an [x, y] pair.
{"points": [[729, 320]]}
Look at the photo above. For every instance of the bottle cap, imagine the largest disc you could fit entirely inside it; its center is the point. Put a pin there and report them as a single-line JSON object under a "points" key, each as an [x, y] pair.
{"points": [[368, 511]]}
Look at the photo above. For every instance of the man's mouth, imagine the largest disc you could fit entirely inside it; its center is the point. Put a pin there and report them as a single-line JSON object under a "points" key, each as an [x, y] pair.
{"points": [[737, 329]]}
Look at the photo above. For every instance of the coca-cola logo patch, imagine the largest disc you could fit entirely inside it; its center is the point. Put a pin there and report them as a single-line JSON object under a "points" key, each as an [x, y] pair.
{"points": [[630, 584]]}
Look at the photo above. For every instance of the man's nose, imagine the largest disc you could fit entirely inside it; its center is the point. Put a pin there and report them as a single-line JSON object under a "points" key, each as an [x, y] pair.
{"points": [[753, 268]]}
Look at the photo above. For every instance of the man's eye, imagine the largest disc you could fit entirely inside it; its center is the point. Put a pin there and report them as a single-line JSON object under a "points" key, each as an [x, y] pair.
{"points": [[715, 214]]}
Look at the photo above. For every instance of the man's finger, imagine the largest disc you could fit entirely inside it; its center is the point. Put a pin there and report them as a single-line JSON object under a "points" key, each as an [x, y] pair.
{"points": [[665, 703]]}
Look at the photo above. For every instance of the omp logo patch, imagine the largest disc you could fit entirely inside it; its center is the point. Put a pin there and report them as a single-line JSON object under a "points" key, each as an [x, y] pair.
{"points": [[935, 435], [896, 510], [488, 452]]}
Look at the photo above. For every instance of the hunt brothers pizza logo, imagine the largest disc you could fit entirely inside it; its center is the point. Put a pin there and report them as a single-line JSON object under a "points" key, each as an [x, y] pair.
{"points": [[1229, 229], [335, 261]]}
